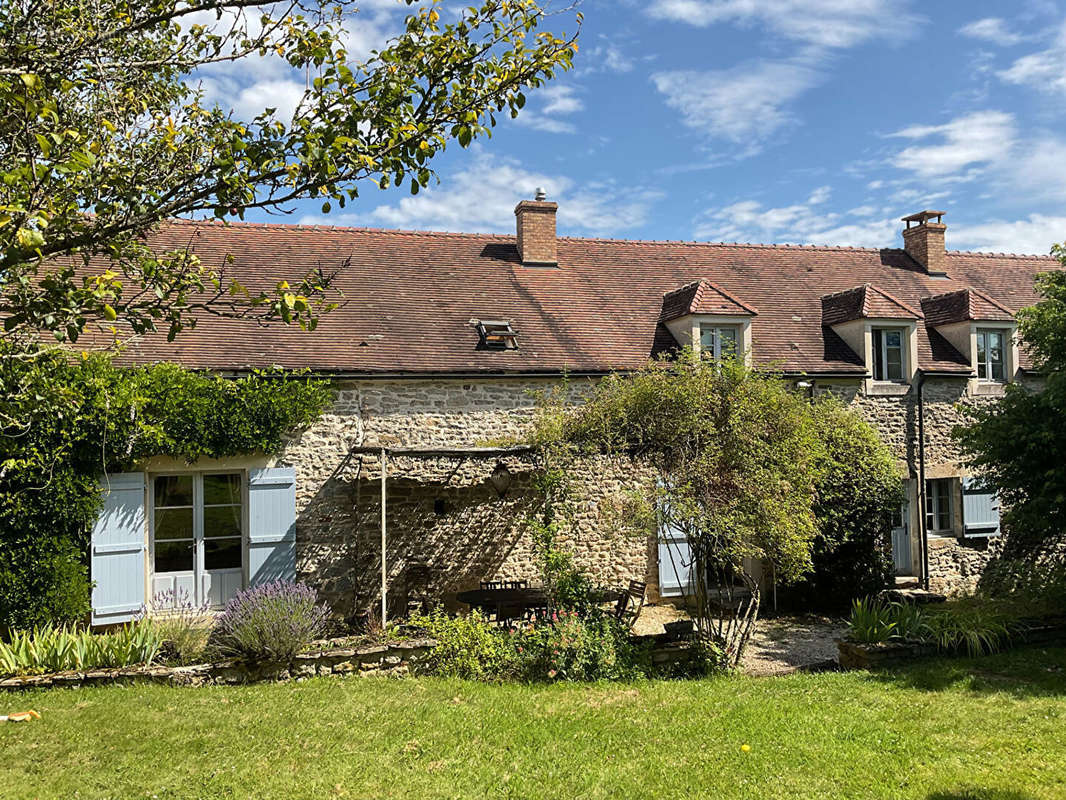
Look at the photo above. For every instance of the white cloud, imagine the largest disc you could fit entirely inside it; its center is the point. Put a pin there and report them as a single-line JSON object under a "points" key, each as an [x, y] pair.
{"points": [[1044, 70], [744, 104], [1035, 235], [974, 139], [802, 223], [605, 58], [823, 23], [554, 101], [483, 197], [992, 29]]}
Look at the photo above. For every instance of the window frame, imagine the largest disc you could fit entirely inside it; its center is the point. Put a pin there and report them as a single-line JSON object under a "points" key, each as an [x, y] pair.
{"points": [[716, 348], [985, 372], [200, 538], [879, 347], [938, 503]]}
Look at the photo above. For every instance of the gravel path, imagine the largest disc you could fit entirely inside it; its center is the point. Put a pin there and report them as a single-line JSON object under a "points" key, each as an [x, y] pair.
{"points": [[780, 645]]}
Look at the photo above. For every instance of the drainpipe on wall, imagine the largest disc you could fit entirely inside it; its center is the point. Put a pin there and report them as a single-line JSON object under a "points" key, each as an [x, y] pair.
{"points": [[923, 540]]}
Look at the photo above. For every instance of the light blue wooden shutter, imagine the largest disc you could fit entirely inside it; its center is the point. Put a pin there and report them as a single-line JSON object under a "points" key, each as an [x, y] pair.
{"points": [[271, 525], [117, 544], [980, 508]]}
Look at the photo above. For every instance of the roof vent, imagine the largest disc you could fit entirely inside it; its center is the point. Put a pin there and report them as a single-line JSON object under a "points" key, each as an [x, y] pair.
{"points": [[496, 334], [541, 195]]}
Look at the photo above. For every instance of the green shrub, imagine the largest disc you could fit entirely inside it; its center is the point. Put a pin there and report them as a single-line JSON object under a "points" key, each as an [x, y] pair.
{"points": [[468, 647], [570, 647], [875, 620], [857, 492], [50, 649]]}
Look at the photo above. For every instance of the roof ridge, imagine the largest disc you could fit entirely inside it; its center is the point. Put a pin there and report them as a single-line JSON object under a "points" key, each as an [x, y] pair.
{"points": [[988, 254], [988, 299]]}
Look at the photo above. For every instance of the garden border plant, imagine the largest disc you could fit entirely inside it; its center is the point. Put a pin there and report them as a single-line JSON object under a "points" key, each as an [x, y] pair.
{"points": [[87, 416]]}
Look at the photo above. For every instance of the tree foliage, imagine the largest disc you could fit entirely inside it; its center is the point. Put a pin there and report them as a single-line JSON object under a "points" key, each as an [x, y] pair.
{"points": [[1018, 442], [84, 418], [741, 460], [859, 488], [106, 132]]}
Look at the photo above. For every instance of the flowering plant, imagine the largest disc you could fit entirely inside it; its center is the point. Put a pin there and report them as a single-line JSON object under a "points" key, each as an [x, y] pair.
{"points": [[271, 622], [183, 626], [571, 647]]}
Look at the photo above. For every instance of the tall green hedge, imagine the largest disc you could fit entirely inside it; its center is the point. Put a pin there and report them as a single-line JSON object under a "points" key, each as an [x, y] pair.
{"points": [[64, 421]]}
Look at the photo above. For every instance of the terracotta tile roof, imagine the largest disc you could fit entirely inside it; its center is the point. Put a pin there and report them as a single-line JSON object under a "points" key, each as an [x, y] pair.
{"points": [[702, 297], [963, 306], [408, 298], [864, 302]]}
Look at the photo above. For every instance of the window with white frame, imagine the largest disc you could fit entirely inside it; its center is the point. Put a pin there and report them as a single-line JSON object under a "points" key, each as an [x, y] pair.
{"points": [[889, 357], [938, 507], [991, 355], [718, 341], [197, 537]]}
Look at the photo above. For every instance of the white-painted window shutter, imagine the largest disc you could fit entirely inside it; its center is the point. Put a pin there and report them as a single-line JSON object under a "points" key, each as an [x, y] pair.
{"points": [[118, 550], [271, 525]]}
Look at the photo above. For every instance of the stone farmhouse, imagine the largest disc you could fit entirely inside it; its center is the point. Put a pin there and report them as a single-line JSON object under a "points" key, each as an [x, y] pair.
{"points": [[441, 344]]}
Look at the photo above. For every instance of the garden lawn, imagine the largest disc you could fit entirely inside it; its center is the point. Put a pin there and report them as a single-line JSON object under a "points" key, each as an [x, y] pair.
{"points": [[983, 729]]}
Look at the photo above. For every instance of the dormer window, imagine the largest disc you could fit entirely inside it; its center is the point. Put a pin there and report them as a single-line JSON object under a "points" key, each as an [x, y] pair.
{"points": [[718, 342], [991, 355], [889, 354], [496, 335]]}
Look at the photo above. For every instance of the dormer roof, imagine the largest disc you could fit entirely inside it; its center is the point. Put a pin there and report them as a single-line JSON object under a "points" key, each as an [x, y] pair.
{"points": [[702, 297], [864, 302], [963, 305]]}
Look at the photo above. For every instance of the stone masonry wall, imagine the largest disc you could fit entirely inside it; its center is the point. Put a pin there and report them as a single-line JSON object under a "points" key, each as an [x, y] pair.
{"points": [[448, 528]]}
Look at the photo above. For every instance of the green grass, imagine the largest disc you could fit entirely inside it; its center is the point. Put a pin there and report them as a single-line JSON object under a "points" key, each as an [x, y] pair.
{"points": [[982, 729]]}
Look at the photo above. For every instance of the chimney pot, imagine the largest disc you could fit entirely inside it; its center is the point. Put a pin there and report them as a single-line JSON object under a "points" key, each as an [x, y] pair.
{"points": [[924, 241], [541, 195], [535, 223]]}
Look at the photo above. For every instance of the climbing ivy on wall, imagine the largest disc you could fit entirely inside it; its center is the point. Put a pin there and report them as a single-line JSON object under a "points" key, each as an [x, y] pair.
{"points": [[64, 421]]}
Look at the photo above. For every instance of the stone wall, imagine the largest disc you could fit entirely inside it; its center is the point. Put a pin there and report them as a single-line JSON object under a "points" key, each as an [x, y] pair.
{"points": [[448, 527]]}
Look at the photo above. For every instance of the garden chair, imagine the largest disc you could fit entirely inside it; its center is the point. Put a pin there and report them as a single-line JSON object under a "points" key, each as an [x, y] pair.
{"points": [[630, 604]]}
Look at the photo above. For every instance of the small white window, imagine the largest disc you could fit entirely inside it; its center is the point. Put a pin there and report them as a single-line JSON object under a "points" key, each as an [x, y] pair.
{"points": [[938, 494], [991, 359], [718, 341], [888, 354]]}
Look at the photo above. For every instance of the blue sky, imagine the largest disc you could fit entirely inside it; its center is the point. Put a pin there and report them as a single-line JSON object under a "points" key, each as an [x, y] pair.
{"points": [[799, 121]]}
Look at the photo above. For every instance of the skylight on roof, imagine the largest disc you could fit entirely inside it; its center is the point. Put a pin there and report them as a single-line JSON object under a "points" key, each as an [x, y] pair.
{"points": [[497, 335]]}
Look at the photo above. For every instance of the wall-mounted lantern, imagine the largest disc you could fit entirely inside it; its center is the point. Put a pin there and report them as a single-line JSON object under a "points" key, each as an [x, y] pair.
{"points": [[501, 478]]}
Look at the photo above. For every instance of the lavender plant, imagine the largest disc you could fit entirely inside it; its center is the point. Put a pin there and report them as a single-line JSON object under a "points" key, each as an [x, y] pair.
{"points": [[183, 626], [271, 622]]}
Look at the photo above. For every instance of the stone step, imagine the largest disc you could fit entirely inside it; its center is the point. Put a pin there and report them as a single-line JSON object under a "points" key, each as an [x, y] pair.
{"points": [[917, 596], [906, 582]]}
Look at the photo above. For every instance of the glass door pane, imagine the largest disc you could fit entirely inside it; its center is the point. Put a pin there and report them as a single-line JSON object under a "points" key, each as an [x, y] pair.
{"points": [[223, 544]]}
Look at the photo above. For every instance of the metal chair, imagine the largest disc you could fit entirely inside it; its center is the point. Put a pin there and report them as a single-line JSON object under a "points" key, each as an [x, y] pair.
{"points": [[630, 604]]}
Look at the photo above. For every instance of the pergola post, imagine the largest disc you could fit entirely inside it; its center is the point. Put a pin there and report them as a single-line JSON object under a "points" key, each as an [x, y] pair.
{"points": [[384, 568]]}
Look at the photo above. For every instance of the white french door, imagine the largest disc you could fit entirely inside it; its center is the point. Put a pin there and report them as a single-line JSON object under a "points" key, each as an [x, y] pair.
{"points": [[197, 538], [901, 538]]}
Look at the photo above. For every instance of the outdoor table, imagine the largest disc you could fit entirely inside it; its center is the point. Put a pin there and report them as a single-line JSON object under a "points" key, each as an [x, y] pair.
{"points": [[494, 600]]}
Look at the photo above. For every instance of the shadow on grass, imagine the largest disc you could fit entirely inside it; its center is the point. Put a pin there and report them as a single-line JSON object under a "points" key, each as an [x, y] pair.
{"points": [[1029, 671], [981, 794]]}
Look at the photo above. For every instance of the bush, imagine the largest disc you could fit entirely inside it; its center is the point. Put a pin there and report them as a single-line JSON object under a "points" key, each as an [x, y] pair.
{"points": [[976, 625], [185, 631], [858, 491], [874, 620], [272, 622], [570, 647], [468, 647], [52, 649]]}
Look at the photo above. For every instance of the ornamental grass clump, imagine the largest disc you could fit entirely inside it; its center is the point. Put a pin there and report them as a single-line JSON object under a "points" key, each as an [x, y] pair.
{"points": [[272, 622], [184, 627]]}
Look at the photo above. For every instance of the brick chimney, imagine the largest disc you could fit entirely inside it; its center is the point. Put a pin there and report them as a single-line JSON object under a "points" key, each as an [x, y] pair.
{"points": [[924, 242], [536, 231]]}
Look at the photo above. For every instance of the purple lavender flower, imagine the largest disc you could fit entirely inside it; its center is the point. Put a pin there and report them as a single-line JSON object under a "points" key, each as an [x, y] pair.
{"points": [[271, 622]]}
